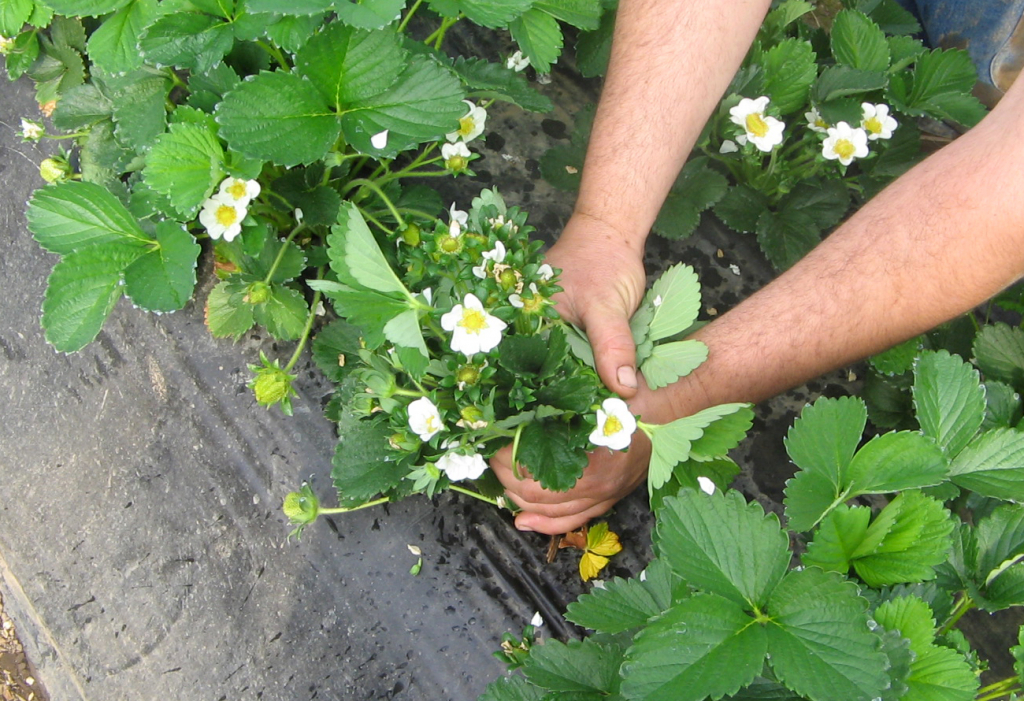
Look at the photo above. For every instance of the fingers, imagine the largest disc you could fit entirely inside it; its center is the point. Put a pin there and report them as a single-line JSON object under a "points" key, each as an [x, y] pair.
{"points": [[614, 351], [535, 522]]}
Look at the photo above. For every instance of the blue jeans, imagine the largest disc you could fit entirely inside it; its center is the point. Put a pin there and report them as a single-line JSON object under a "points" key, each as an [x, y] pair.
{"points": [[990, 30]]}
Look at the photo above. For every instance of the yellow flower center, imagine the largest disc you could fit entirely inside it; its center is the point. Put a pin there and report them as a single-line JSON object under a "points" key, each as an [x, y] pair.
{"points": [[821, 123], [431, 425], [237, 189], [533, 305], [473, 320], [756, 125], [226, 215], [612, 425], [844, 148], [873, 125], [466, 126], [456, 163]]}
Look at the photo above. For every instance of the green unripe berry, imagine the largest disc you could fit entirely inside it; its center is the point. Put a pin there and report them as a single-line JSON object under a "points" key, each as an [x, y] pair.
{"points": [[411, 234]]}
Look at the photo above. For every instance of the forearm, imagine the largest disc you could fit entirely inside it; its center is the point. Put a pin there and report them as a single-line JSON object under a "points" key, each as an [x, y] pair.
{"points": [[671, 62], [941, 240]]}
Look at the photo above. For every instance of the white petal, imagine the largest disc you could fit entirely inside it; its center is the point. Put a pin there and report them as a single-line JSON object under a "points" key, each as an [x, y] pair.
{"points": [[706, 485], [379, 140], [537, 621]]}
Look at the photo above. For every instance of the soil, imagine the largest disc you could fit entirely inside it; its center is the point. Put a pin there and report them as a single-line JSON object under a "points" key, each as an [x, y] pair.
{"points": [[17, 679]]}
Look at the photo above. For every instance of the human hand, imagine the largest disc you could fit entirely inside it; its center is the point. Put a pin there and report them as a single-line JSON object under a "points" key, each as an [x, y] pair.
{"points": [[610, 476], [603, 281]]}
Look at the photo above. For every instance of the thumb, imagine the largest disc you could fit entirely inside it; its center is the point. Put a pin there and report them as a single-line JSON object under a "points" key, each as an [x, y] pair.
{"points": [[614, 351]]}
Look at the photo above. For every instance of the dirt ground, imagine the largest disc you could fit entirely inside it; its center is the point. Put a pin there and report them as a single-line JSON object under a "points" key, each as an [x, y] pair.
{"points": [[17, 681]]}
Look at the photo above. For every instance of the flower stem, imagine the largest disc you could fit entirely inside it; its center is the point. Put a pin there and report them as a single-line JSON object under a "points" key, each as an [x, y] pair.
{"points": [[308, 327], [475, 495], [346, 509], [375, 188], [408, 16], [999, 689], [965, 604], [515, 451], [275, 53], [280, 253]]}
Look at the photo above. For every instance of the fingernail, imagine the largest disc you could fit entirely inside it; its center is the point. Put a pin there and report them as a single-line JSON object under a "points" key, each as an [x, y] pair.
{"points": [[524, 528], [627, 376]]}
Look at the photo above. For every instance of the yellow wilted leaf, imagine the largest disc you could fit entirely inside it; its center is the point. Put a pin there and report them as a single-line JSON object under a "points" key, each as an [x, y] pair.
{"points": [[601, 545]]}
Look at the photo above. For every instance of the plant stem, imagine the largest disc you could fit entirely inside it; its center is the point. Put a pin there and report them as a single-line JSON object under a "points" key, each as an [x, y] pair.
{"points": [[999, 689], [515, 451], [475, 495], [407, 392], [308, 327], [345, 510], [375, 188], [275, 53], [965, 604], [408, 15], [280, 253]]}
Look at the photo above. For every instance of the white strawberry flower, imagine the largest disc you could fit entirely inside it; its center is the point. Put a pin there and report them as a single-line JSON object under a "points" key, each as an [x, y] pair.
{"points": [[615, 425], [222, 217], [517, 62], [31, 130], [458, 220], [496, 254], [460, 467], [473, 329], [425, 419], [815, 121], [763, 131], [877, 122], [471, 125], [240, 191], [456, 156], [845, 143]]}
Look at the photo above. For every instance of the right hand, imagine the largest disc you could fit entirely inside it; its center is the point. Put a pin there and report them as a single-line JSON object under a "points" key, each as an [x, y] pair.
{"points": [[603, 281]]}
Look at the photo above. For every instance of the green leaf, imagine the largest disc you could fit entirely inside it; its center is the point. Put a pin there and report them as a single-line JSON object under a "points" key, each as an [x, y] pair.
{"points": [[819, 640], [373, 15], [898, 359], [364, 464], [512, 689], [741, 207], [723, 435], [574, 667], [675, 656], [487, 13], [404, 331], [893, 18], [284, 314], [1002, 406], [423, 105], [334, 349], [356, 256], [227, 312], [291, 7], [895, 461], [786, 237], [679, 293], [903, 51], [908, 539], [349, 65], [81, 292], [836, 82], [22, 55], [593, 49], [948, 399], [584, 14], [278, 117], [841, 532], [720, 544], [85, 8], [858, 42], [366, 309], [186, 164], [790, 69], [622, 604], [186, 40], [697, 188], [291, 33], [488, 81], [992, 465], [82, 106], [999, 354], [140, 111], [539, 37], [671, 442], [826, 202], [13, 16], [670, 361], [163, 279], [72, 216], [825, 437], [809, 497], [114, 46], [546, 450]]}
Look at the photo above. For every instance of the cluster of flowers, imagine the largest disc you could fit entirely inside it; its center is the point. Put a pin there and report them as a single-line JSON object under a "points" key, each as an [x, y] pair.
{"points": [[843, 142], [223, 213]]}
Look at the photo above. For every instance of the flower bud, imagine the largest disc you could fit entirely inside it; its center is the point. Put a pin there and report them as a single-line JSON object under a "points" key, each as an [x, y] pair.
{"points": [[6, 44], [450, 244], [467, 375], [508, 279], [411, 234], [257, 293], [272, 385], [301, 507], [54, 170], [456, 164]]}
